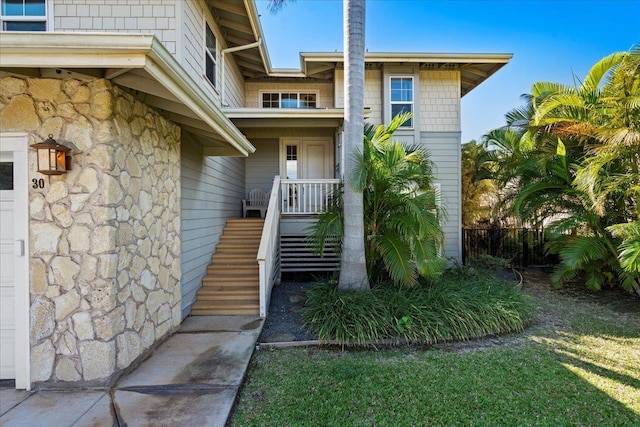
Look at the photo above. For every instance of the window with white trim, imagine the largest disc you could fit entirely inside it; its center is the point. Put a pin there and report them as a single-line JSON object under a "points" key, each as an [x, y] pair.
{"points": [[289, 100], [401, 96], [23, 15], [210, 56]]}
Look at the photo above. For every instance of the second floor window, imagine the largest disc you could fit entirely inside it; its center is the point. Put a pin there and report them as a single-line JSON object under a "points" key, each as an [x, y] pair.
{"points": [[23, 15], [402, 97], [210, 57], [289, 100]]}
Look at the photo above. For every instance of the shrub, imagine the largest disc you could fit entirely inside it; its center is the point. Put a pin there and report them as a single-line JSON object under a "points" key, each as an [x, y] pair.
{"points": [[462, 305], [488, 262]]}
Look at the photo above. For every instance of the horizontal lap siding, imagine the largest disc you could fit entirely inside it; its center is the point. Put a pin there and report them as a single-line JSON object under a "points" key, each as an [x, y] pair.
{"points": [[444, 149], [212, 188], [262, 166]]}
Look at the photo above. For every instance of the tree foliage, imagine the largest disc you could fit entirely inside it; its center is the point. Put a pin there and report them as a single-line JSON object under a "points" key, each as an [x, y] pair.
{"points": [[572, 156], [403, 236], [479, 193]]}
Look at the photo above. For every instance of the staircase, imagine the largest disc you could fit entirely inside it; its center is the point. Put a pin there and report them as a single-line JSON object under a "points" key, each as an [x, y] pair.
{"points": [[231, 286]]}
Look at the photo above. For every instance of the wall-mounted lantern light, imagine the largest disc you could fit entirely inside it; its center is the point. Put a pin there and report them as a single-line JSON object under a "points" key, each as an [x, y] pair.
{"points": [[52, 157]]}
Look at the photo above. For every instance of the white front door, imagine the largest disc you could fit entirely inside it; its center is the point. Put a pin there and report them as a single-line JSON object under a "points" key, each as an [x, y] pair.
{"points": [[14, 267]]}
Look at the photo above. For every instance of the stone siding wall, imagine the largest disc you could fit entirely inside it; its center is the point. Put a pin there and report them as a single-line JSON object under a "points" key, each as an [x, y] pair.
{"points": [[105, 237]]}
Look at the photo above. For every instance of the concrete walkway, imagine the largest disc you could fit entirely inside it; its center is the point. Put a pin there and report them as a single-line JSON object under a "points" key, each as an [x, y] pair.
{"points": [[190, 380]]}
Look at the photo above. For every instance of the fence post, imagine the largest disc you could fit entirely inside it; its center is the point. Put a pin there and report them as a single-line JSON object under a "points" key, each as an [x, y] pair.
{"points": [[464, 246], [525, 247], [493, 240]]}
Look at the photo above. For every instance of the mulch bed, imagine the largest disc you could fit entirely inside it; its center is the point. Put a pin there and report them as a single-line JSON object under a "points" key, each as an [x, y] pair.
{"points": [[284, 321]]}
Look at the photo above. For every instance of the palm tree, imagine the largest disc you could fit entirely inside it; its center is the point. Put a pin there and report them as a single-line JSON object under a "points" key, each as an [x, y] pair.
{"points": [[353, 269], [479, 193], [577, 161], [401, 214]]}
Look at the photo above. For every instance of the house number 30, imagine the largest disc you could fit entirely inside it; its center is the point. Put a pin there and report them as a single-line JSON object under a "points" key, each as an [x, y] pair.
{"points": [[37, 183]]}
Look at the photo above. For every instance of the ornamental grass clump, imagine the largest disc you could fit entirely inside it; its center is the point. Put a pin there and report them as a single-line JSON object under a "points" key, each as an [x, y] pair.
{"points": [[462, 305]]}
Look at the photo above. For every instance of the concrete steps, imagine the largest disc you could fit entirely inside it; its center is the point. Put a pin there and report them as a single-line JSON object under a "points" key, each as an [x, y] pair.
{"points": [[231, 286]]}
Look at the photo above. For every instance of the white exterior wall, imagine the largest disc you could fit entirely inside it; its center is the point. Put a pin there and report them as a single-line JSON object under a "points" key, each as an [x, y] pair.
{"points": [[121, 16], [372, 93], [254, 99], [212, 188], [260, 168]]}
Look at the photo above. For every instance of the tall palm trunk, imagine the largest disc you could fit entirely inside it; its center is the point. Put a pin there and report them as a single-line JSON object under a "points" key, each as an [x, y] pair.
{"points": [[353, 269]]}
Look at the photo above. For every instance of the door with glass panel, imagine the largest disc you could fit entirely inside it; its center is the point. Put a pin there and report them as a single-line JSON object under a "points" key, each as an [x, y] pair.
{"points": [[305, 162]]}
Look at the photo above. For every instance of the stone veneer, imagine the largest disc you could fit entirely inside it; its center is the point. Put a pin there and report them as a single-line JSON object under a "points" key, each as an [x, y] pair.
{"points": [[104, 237]]}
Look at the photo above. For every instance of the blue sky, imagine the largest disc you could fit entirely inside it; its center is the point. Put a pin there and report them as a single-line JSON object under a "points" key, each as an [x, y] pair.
{"points": [[550, 40]]}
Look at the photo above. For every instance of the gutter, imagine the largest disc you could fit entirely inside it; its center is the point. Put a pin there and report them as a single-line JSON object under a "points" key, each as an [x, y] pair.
{"points": [[222, 63]]}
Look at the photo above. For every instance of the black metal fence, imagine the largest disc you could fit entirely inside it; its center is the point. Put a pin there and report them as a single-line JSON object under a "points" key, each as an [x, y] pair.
{"points": [[523, 246]]}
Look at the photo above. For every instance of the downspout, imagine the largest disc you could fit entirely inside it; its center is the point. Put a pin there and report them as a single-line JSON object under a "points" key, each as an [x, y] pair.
{"points": [[231, 50]]}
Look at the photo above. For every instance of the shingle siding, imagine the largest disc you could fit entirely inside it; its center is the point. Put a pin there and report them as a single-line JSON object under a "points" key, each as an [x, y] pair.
{"points": [[440, 101], [120, 16]]}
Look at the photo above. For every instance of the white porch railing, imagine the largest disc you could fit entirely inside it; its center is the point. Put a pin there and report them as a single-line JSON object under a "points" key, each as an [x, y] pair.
{"points": [[269, 250], [307, 196]]}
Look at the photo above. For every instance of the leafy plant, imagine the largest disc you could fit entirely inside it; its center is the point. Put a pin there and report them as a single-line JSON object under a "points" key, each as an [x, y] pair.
{"points": [[403, 236], [461, 305], [570, 158], [488, 262]]}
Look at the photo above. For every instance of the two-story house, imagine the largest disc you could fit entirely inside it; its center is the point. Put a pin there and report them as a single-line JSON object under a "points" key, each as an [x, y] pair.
{"points": [[172, 113]]}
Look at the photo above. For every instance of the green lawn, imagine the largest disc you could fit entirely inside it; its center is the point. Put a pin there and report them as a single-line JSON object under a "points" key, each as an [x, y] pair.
{"points": [[579, 364]]}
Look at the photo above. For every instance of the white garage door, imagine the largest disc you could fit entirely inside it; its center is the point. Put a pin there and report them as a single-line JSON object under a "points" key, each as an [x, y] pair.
{"points": [[14, 260], [7, 276]]}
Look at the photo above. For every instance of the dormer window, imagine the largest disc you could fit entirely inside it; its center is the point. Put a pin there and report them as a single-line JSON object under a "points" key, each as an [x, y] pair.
{"points": [[23, 15], [289, 100]]}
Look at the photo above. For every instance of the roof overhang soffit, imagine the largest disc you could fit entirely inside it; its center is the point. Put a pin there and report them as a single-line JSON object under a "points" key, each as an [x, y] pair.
{"points": [[473, 68], [138, 63]]}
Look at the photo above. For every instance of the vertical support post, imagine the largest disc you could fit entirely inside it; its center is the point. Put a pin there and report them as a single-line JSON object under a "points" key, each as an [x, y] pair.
{"points": [[526, 256], [464, 246], [493, 240]]}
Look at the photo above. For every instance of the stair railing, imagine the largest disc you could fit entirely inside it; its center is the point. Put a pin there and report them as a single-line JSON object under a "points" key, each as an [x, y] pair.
{"points": [[269, 250], [307, 196]]}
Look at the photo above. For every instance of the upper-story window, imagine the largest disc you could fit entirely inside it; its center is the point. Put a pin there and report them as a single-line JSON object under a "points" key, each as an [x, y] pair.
{"points": [[289, 100], [210, 56], [402, 97], [23, 15]]}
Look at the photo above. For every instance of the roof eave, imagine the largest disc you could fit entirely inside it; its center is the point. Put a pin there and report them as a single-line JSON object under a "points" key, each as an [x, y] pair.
{"points": [[117, 54]]}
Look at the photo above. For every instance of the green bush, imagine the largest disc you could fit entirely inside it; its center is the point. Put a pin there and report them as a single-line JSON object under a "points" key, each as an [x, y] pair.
{"points": [[463, 304], [488, 262]]}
